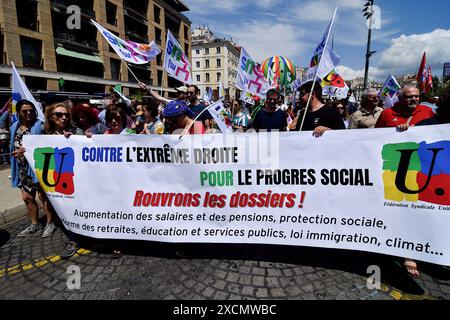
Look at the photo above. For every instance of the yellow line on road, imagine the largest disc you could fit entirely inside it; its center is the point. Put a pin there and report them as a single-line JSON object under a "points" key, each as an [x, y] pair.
{"points": [[37, 264]]}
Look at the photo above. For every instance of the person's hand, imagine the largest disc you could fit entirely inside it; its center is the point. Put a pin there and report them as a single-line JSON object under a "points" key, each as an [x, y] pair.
{"points": [[403, 127], [19, 152], [319, 131], [143, 86], [67, 134], [88, 133]]}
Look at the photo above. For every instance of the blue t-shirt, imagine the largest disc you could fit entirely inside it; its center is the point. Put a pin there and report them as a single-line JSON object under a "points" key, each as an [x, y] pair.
{"points": [[270, 120]]}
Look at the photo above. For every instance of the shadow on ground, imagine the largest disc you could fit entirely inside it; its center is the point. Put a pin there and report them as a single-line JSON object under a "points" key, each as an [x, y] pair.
{"points": [[4, 237], [355, 262]]}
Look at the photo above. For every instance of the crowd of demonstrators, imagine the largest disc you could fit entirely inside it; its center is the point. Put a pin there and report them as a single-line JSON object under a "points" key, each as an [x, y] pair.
{"points": [[158, 115]]}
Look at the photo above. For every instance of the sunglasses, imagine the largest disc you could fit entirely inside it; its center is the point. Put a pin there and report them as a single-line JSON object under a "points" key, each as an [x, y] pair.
{"points": [[30, 111], [59, 115]]}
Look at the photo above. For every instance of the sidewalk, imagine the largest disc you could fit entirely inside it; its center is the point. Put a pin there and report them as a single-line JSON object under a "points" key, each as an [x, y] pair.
{"points": [[11, 205]]}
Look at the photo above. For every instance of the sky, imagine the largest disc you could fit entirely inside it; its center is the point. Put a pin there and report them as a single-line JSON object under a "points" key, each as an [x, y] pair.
{"points": [[293, 28]]}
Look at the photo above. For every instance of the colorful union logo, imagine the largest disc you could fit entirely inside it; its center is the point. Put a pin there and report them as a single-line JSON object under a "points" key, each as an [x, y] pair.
{"points": [[417, 172], [54, 169]]}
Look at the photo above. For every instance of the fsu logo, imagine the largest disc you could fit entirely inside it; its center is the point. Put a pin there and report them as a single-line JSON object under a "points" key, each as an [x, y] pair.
{"points": [[54, 169], [417, 172]]}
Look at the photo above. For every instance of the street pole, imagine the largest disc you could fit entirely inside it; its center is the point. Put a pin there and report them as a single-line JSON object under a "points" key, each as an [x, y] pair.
{"points": [[369, 13]]}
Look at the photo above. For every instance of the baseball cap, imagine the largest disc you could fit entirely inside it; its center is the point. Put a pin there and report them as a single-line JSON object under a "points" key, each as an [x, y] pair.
{"points": [[177, 108], [182, 89]]}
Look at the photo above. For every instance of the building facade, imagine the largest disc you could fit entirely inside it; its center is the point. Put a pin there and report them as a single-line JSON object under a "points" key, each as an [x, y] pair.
{"points": [[56, 47], [214, 60]]}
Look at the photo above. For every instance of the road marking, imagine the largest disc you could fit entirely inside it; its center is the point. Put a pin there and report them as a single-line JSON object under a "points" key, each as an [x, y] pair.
{"points": [[37, 264]]}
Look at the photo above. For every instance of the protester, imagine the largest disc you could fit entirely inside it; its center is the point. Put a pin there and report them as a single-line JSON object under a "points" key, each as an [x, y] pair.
{"points": [[241, 120], [86, 119], [442, 112], [116, 121], [179, 119], [368, 113], [21, 172], [59, 121], [181, 93], [339, 106], [270, 117], [152, 124], [198, 107], [407, 112], [320, 117]]}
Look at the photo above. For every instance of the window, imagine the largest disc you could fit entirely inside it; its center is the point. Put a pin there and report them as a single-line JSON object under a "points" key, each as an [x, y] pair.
{"points": [[197, 51], [198, 78], [197, 64], [158, 36], [186, 32], [111, 12], [157, 12], [115, 69], [206, 50], [219, 63], [31, 52], [186, 48], [207, 77], [218, 49], [27, 14], [207, 63], [218, 76]]}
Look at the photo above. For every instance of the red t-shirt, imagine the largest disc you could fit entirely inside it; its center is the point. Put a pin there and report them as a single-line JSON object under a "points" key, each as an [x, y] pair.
{"points": [[197, 128], [390, 118]]}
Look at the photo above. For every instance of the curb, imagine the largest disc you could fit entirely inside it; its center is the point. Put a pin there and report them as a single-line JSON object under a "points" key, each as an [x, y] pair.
{"points": [[12, 214]]}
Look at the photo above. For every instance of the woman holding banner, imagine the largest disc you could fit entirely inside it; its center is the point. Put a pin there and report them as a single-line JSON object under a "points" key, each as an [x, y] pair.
{"points": [[21, 173]]}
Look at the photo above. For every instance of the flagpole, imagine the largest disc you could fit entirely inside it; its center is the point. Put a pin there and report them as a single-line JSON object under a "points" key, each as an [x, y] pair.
{"points": [[5, 107], [128, 67], [317, 71], [195, 119]]}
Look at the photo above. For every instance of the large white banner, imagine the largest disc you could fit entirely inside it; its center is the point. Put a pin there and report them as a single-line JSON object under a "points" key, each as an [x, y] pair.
{"points": [[373, 190]]}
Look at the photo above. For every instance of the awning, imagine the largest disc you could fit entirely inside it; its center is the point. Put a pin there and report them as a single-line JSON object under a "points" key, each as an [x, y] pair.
{"points": [[64, 52]]}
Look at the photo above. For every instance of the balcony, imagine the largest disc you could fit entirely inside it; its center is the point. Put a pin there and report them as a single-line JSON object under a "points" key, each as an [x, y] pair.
{"points": [[137, 16], [33, 62], [70, 39], [63, 4], [133, 36]]}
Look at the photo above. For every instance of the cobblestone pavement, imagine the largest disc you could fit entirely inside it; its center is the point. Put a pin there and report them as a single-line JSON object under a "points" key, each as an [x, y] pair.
{"points": [[30, 268]]}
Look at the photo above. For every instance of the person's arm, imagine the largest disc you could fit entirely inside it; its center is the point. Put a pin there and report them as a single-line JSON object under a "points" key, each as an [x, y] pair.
{"points": [[154, 94], [353, 122]]}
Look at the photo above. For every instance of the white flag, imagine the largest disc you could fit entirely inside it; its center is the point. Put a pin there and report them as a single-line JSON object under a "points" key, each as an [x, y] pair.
{"points": [[324, 59], [221, 116], [20, 91], [123, 97], [389, 92], [222, 92], [176, 63], [137, 53], [250, 77]]}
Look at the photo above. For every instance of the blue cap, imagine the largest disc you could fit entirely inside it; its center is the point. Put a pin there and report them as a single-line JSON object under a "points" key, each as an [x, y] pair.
{"points": [[177, 108]]}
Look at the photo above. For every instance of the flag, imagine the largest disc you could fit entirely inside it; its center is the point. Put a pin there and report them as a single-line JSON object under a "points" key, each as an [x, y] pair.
{"points": [[250, 77], [422, 74], [124, 99], [221, 116], [19, 92], [133, 52], [324, 59], [208, 95], [430, 81], [334, 86], [389, 91], [222, 93], [176, 63]]}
